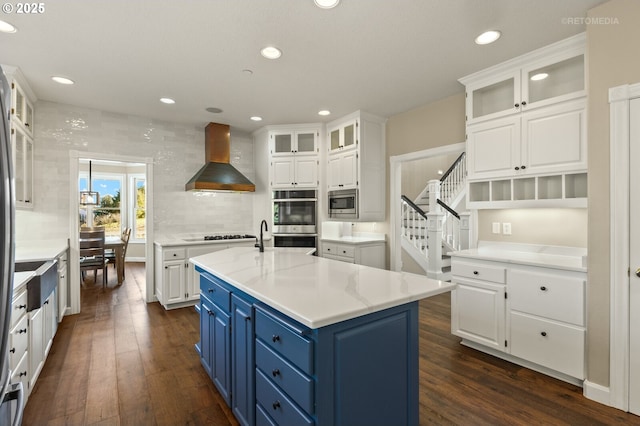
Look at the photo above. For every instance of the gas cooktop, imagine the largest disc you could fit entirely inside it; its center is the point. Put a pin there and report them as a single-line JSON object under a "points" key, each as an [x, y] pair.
{"points": [[228, 237]]}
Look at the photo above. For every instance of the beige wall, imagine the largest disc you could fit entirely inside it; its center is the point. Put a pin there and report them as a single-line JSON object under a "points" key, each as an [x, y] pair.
{"points": [[556, 227], [613, 60]]}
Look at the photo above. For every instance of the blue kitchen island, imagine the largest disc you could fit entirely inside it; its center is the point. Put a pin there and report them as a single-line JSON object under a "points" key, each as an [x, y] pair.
{"points": [[291, 339]]}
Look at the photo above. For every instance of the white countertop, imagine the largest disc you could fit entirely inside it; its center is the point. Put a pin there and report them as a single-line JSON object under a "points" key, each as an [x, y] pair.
{"points": [[196, 240], [20, 279], [354, 239], [567, 258], [315, 291], [28, 251]]}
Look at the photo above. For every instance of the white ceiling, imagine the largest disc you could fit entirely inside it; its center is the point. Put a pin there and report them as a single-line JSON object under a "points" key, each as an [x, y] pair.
{"points": [[381, 56]]}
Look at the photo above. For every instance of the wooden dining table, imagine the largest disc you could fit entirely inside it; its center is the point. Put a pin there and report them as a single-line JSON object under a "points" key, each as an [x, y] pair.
{"points": [[117, 244]]}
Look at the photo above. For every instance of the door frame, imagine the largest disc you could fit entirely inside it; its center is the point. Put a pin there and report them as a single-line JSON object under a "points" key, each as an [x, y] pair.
{"points": [[620, 139], [74, 222], [395, 191]]}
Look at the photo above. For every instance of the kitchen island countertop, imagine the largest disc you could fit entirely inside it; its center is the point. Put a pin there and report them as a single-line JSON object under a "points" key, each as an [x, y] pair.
{"points": [[315, 291]]}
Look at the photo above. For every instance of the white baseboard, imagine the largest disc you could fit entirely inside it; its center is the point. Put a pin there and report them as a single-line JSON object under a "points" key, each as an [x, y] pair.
{"points": [[135, 259], [596, 392]]}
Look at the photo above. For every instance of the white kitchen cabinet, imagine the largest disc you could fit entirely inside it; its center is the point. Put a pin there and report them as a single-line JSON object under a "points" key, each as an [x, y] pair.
{"points": [[516, 85], [50, 317], [63, 284], [343, 136], [22, 151], [522, 126], [36, 344], [371, 253], [177, 282], [343, 170], [356, 160], [294, 171], [19, 341], [294, 157], [545, 140], [21, 123], [530, 315]]}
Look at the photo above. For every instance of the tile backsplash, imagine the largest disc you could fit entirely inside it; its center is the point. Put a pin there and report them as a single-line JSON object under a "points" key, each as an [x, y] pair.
{"points": [[177, 151]]}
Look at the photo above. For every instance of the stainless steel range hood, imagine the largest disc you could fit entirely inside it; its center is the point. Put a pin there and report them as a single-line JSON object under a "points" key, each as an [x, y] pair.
{"points": [[218, 174]]}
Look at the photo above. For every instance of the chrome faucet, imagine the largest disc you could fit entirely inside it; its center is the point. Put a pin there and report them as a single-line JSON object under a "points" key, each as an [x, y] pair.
{"points": [[260, 245]]}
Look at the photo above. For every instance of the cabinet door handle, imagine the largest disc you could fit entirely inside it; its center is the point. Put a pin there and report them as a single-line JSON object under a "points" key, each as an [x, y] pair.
{"points": [[275, 372], [211, 313], [517, 105], [211, 290], [24, 373], [517, 168], [524, 103], [275, 338], [523, 167], [276, 405], [12, 350], [22, 306], [476, 272], [22, 330], [543, 288], [543, 334]]}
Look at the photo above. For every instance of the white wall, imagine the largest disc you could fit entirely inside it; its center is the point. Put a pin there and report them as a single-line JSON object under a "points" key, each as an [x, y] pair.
{"points": [[177, 151]]}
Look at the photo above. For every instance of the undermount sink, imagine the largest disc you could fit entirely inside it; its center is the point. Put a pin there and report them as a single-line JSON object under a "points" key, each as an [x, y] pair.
{"points": [[43, 282]]}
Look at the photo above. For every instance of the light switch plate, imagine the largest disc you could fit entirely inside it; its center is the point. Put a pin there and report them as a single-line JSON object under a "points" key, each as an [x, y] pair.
{"points": [[495, 227], [506, 228]]}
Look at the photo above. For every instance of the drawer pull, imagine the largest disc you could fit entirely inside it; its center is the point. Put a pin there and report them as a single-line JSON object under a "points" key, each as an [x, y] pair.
{"points": [[211, 313], [22, 330], [275, 338], [12, 350], [276, 405], [475, 272], [211, 290], [24, 373], [22, 306], [543, 334], [275, 373], [543, 288]]}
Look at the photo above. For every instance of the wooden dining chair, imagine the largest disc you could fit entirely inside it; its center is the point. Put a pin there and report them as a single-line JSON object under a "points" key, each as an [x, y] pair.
{"points": [[92, 253], [111, 256]]}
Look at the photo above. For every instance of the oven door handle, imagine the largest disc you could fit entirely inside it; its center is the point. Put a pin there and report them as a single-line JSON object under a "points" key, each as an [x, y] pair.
{"points": [[293, 200], [280, 234]]}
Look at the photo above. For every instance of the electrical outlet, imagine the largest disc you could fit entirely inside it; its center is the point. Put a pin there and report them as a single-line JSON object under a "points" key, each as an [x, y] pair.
{"points": [[495, 227], [506, 228]]}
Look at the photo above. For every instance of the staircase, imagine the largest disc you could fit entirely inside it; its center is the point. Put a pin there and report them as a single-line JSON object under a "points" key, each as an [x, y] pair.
{"points": [[432, 217]]}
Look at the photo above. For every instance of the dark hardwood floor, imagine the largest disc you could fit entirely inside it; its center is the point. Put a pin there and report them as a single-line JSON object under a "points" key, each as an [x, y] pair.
{"points": [[122, 361]]}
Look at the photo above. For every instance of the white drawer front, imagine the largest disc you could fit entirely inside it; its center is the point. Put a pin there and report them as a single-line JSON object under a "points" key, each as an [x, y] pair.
{"points": [[547, 343], [172, 254], [478, 271], [18, 341], [345, 251], [329, 249], [18, 307], [551, 296]]}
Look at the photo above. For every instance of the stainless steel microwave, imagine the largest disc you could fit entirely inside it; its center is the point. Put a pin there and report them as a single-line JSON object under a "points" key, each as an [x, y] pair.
{"points": [[343, 204]]}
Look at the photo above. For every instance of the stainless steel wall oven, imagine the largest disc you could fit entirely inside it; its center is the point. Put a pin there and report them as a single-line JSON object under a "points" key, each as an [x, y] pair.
{"points": [[295, 218]]}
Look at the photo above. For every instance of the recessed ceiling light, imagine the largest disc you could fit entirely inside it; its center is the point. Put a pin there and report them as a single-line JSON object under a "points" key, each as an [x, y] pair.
{"points": [[324, 112], [167, 101], [440, 172], [326, 4], [488, 37], [256, 118], [213, 110], [62, 80], [539, 76], [6, 27], [271, 52]]}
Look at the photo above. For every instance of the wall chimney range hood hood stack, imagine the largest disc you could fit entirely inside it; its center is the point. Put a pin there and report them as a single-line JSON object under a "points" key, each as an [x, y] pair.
{"points": [[218, 174]]}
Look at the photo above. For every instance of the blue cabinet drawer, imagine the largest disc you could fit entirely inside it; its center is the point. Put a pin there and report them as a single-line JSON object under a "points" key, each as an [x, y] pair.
{"points": [[280, 408], [285, 338], [293, 382], [215, 292], [262, 418]]}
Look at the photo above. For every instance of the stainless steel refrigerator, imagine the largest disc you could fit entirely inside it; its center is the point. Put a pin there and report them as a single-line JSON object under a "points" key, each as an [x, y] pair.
{"points": [[11, 394]]}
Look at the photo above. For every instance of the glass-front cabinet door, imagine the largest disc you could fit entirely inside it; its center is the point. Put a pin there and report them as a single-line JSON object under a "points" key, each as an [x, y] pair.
{"points": [[494, 97], [22, 109], [23, 167], [343, 137], [305, 142], [553, 82], [282, 143]]}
